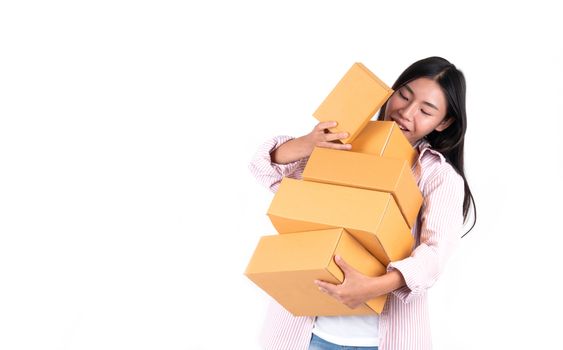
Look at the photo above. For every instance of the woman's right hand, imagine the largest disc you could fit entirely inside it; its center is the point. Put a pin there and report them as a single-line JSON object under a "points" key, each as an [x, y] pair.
{"points": [[303, 146], [322, 137]]}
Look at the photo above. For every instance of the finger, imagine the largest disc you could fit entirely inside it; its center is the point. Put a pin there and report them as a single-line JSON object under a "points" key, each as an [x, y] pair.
{"points": [[334, 145], [325, 287], [347, 269], [329, 289], [336, 136], [325, 125]]}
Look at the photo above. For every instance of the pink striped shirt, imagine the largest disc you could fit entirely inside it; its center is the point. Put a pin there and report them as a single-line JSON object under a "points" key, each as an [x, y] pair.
{"points": [[404, 323]]}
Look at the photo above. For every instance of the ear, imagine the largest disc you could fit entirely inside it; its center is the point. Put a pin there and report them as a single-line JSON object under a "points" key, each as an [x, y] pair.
{"points": [[444, 124]]}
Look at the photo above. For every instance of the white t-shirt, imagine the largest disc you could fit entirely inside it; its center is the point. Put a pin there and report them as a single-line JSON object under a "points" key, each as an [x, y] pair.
{"points": [[348, 330]]}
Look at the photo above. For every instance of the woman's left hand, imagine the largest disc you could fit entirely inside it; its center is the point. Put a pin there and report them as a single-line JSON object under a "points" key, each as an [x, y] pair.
{"points": [[354, 291]]}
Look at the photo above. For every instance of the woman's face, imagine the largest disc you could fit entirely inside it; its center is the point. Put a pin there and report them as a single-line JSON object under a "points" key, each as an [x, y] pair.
{"points": [[418, 107]]}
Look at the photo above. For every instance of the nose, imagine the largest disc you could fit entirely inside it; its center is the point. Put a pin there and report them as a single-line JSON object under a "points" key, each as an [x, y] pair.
{"points": [[407, 112]]}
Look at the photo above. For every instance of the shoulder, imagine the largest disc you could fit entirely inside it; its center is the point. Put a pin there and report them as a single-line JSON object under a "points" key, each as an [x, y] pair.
{"points": [[436, 171]]}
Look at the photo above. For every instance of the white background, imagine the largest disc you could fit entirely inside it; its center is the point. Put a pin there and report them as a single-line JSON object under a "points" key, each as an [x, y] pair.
{"points": [[128, 215]]}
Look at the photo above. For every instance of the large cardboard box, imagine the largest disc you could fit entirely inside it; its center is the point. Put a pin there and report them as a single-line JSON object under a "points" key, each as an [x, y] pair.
{"points": [[285, 266], [372, 217], [384, 138], [353, 101], [367, 171]]}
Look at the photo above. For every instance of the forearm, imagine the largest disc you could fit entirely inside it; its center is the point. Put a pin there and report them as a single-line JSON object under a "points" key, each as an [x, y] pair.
{"points": [[358, 288], [439, 236], [292, 151], [302, 147], [386, 283]]}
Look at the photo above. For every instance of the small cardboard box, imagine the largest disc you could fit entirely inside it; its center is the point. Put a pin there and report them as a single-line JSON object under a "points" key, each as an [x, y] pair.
{"points": [[384, 138], [372, 217], [285, 266], [367, 171], [354, 101]]}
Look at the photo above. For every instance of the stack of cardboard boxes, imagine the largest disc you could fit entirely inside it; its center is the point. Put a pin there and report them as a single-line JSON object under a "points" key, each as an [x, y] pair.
{"points": [[359, 204]]}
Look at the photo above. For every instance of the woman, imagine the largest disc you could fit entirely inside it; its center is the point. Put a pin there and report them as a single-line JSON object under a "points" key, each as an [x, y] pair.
{"points": [[429, 106]]}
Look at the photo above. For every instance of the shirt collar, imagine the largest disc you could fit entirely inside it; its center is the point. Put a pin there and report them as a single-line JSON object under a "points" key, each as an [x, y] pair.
{"points": [[424, 146]]}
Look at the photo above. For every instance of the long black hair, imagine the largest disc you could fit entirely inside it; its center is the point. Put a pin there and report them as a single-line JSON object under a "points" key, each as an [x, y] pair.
{"points": [[450, 141]]}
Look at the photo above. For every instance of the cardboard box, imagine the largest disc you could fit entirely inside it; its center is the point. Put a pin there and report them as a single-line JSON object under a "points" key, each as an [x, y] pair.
{"points": [[384, 138], [354, 101], [369, 172], [372, 217], [285, 266]]}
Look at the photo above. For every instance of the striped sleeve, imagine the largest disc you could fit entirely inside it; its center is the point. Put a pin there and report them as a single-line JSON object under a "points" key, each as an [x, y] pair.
{"points": [[441, 221], [270, 174], [283, 331]]}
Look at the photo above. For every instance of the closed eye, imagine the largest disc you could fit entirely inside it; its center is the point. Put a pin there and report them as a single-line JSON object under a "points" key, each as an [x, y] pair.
{"points": [[424, 112], [403, 96]]}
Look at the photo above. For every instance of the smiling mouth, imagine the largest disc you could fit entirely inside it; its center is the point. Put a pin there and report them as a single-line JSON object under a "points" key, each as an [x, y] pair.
{"points": [[401, 127]]}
